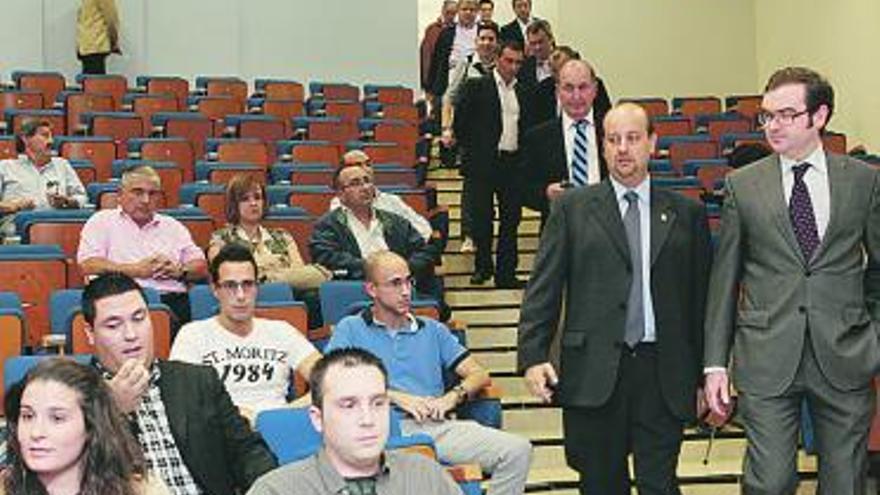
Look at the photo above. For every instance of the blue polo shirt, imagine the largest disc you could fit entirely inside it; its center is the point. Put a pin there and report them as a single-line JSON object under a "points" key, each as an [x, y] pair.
{"points": [[415, 356]]}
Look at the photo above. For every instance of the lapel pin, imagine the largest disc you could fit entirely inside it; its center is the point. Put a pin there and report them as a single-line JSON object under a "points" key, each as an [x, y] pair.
{"points": [[663, 217]]}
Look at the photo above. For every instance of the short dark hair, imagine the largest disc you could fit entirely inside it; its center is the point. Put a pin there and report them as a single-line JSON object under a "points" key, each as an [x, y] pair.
{"points": [[346, 357], [491, 26], [335, 184], [233, 253], [509, 44], [236, 189], [540, 26], [106, 285], [569, 52], [490, 2], [29, 129], [818, 90]]}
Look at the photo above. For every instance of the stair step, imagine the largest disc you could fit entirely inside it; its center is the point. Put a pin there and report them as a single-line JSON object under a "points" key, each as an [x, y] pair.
{"points": [[527, 226], [455, 213], [526, 244], [487, 338], [534, 424], [504, 316], [454, 263], [515, 392], [482, 299], [496, 361]]}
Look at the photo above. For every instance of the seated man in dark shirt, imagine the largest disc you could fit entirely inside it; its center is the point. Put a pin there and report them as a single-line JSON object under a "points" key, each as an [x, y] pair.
{"points": [[344, 237]]}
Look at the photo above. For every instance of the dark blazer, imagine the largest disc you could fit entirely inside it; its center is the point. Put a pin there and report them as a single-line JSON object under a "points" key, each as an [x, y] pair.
{"points": [[221, 451], [511, 31], [544, 107], [584, 255], [477, 125], [546, 162], [333, 245], [527, 76], [438, 73]]}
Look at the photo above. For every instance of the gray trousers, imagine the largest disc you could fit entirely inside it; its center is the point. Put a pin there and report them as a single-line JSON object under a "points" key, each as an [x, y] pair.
{"points": [[505, 456], [841, 421]]}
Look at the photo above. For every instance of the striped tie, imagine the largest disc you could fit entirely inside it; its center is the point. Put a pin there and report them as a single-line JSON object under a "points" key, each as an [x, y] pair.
{"points": [[579, 155]]}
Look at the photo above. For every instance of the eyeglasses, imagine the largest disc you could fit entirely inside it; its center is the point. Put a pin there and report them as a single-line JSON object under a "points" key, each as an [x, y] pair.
{"points": [[233, 286], [359, 182], [784, 117], [398, 283]]}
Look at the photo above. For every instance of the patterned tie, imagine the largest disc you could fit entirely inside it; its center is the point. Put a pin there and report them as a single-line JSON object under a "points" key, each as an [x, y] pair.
{"points": [[579, 155], [800, 209], [635, 312]]}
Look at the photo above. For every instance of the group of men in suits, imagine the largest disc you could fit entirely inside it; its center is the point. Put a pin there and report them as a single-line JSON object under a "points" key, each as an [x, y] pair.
{"points": [[647, 324]]}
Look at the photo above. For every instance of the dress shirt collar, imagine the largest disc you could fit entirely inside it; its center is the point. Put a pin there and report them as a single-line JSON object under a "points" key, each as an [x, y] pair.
{"points": [[500, 82], [152, 223], [570, 123], [643, 190], [816, 159], [335, 482]]}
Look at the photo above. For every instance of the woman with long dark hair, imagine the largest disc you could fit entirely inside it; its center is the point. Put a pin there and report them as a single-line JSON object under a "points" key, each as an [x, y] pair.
{"points": [[66, 436]]}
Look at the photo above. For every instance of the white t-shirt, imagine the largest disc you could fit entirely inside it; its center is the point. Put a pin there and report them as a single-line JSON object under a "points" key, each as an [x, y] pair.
{"points": [[255, 369]]}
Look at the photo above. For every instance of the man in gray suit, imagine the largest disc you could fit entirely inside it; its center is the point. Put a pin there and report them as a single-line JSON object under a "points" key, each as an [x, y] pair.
{"points": [[631, 261], [795, 292]]}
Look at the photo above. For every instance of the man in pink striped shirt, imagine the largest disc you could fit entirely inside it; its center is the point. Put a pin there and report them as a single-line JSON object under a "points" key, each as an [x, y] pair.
{"points": [[155, 249]]}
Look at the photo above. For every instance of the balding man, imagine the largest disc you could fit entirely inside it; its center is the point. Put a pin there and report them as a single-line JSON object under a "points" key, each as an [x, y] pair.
{"points": [[567, 151], [134, 239], [632, 337]]}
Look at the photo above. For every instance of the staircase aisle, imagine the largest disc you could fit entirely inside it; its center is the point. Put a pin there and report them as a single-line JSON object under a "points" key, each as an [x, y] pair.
{"points": [[491, 317]]}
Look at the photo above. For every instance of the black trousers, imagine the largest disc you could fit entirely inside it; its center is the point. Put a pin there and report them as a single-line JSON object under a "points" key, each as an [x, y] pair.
{"points": [[635, 419], [504, 185], [94, 63], [178, 302]]}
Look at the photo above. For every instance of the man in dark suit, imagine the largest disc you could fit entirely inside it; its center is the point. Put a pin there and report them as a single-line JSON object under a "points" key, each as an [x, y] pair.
{"points": [[795, 295], [455, 43], [487, 128], [536, 66], [631, 340], [192, 435], [544, 105], [515, 30], [566, 151]]}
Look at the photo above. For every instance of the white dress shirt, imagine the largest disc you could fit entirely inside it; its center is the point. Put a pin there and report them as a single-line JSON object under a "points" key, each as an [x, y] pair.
{"points": [[644, 192], [509, 140], [816, 179], [569, 130], [463, 44], [543, 70], [370, 238], [395, 204]]}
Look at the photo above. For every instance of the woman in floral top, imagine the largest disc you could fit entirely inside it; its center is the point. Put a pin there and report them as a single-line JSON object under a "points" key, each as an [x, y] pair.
{"points": [[275, 250]]}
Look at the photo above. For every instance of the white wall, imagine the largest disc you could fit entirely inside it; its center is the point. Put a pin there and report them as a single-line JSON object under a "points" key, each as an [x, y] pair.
{"points": [[358, 41]]}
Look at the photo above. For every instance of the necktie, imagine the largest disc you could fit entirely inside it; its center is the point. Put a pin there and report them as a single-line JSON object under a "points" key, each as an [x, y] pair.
{"points": [[579, 155], [635, 312], [800, 209]]}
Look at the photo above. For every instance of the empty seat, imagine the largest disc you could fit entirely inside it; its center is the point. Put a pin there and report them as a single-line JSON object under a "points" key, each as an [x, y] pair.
{"points": [[113, 84], [334, 129], [280, 89], [49, 84], [222, 173], [210, 198], [694, 105], [33, 271], [192, 126], [655, 107], [748, 105], [99, 150], [308, 151], [85, 170], [314, 199], [59, 227], [267, 128], [120, 126], [672, 125], [163, 85], [169, 149], [250, 150], [11, 330], [146, 105], [15, 117], [391, 94], [7, 147], [217, 108], [76, 103], [223, 86], [334, 91], [318, 174]]}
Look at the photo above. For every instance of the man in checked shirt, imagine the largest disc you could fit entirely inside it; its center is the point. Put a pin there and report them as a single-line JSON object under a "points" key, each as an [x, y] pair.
{"points": [[192, 435]]}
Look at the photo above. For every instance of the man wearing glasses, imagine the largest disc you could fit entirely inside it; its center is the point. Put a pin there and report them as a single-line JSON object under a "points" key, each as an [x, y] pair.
{"points": [[254, 357], [417, 352], [154, 249], [345, 237], [794, 295]]}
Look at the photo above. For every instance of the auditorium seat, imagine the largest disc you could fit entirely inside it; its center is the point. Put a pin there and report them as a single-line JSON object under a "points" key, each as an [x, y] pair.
{"points": [[690, 106], [334, 91], [113, 84], [192, 126], [310, 151], [316, 174], [279, 89], [216, 108], [655, 107], [233, 87], [672, 125], [333, 129], [15, 117], [234, 150], [729, 141], [47, 83], [100, 150], [59, 227], [314, 199], [21, 100], [834, 142], [383, 152], [266, 128], [199, 224], [121, 126], [169, 149], [7, 147], [210, 198], [145, 105], [76, 103], [34, 271], [388, 94], [285, 110], [162, 85], [748, 105], [716, 124], [85, 170], [222, 173], [347, 110], [12, 325]]}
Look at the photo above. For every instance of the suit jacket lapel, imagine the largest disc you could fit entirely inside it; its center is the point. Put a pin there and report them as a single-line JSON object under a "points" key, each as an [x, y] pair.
{"points": [[177, 419], [663, 216], [770, 186], [840, 184], [608, 214]]}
